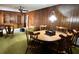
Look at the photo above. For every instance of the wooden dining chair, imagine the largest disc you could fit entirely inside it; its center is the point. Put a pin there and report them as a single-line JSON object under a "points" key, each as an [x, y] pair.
{"points": [[43, 27], [62, 45], [9, 30], [69, 40], [32, 42], [73, 34], [34, 35], [76, 36], [65, 44], [31, 36]]}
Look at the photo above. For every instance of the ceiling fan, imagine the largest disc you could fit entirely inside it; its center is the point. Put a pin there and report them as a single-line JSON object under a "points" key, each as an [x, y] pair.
{"points": [[22, 10]]}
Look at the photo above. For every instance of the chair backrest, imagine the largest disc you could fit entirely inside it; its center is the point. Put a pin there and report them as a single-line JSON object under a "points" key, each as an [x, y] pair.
{"points": [[75, 36], [62, 43], [30, 36], [70, 30], [69, 40], [9, 29], [33, 35], [65, 42], [43, 27]]}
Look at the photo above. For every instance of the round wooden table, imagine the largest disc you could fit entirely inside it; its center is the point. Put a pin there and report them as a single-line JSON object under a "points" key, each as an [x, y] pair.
{"points": [[43, 37]]}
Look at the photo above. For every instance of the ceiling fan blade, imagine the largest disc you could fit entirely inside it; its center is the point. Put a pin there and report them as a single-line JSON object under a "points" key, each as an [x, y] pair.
{"points": [[25, 10], [21, 9]]}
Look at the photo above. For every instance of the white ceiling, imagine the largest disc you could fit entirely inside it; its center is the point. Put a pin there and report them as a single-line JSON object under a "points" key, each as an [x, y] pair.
{"points": [[29, 7]]}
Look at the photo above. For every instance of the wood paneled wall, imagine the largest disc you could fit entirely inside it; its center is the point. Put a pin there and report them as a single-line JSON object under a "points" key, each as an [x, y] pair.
{"points": [[74, 19], [1, 17], [15, 16], [71, 19], [40, 17]]}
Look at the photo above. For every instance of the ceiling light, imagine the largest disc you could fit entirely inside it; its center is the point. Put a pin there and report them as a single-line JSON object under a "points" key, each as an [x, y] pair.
{"points": [[52, 18]]}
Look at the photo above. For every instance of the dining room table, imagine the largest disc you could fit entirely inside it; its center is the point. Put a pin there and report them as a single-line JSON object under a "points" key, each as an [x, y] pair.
{"points": [[43, 37], [50, 43]]}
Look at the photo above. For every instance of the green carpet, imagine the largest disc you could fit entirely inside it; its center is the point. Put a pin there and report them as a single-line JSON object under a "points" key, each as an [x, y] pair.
{"points": [[75, 50], [13, 45]]}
